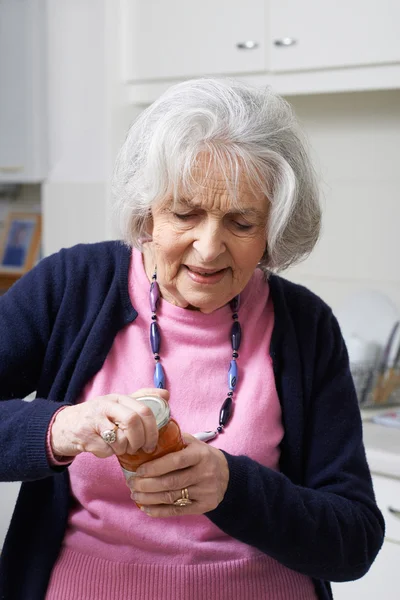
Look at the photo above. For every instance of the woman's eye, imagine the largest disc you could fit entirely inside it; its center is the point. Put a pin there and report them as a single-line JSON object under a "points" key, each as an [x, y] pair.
{"points": [[183, 216], [243, 226]]}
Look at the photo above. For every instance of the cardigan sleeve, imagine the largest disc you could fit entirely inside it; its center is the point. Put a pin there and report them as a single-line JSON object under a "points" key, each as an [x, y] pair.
{"points": [[328, 528], [27, 313]]}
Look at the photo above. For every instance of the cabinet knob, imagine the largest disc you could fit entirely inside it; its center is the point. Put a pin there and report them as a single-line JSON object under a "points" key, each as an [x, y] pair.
{"points": [[286, 41], [394, 511], [249, 45]]}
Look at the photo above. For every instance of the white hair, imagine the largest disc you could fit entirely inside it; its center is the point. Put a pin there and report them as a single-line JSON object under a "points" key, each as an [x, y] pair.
{"points": [[244, 131]]}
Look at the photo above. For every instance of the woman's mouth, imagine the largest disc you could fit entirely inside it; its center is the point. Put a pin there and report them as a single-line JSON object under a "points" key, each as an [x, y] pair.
{"points": [[207, 276]]}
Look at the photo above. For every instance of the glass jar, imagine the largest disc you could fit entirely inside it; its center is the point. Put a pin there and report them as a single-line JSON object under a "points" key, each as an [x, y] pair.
{"points": [[169, 437]]}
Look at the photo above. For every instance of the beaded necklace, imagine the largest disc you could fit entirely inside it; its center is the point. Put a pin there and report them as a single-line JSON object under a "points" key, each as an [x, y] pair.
{"points": [[226, 409]]}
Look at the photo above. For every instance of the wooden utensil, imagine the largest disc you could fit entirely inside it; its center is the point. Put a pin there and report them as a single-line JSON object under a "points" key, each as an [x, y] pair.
{"points": [[392, 379], [378, 390]]}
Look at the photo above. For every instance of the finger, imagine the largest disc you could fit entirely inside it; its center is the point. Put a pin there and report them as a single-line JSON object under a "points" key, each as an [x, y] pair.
{"points": [[177, 480], [190, 439], [168, 497], [136, 420], [182, 459], [131, 433], [97, 444], [162, 511], [147, 422]]}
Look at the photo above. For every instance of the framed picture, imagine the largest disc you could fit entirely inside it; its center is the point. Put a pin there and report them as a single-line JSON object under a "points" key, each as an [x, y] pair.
{"points": [[20, 243]]}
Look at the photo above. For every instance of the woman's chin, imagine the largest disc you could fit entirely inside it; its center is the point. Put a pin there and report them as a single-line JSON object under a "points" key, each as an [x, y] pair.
{"points": [[204, 305]]}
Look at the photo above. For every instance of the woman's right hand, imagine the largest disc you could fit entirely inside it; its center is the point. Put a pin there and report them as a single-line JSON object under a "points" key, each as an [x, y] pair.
{"points": [[78, 428]]}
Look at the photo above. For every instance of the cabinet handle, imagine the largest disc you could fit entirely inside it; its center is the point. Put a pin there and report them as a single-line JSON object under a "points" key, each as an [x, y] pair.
{"points": [[249, 45], [394, 511], [11, 169], [286, 41]]}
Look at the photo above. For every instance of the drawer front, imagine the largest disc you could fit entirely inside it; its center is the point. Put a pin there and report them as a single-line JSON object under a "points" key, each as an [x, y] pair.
{"points": [[387, 493]]}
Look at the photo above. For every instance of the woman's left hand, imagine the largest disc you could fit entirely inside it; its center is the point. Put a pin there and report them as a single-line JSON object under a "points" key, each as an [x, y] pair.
{"points": [[199, 468]]}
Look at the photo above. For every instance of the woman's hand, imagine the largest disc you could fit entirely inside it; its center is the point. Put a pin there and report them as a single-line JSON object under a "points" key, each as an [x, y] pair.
{"points": [[200, 468], [78, 428]]}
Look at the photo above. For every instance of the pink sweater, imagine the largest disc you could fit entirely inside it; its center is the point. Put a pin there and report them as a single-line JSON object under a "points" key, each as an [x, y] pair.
{"points": [[112, 550]]}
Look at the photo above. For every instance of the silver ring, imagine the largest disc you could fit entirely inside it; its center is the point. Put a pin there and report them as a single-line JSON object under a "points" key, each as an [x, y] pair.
{"points": [[184, 500], [109, 436]]}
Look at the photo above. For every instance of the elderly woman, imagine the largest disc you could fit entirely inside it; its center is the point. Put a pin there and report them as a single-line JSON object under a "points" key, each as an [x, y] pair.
{"points": [[271, 498]]}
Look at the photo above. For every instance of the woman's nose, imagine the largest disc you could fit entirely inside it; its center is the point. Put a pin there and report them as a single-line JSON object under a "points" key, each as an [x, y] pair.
{"points": [[209, 242]]}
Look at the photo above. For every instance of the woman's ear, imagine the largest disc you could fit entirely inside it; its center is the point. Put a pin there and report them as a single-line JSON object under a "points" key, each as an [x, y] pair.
{"points": [[147, 232], [145, 238]]}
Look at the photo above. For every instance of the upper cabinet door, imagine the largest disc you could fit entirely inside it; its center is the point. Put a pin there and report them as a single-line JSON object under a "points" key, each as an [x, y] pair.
{"points": [[13, 88], [22, 91], [188, 38], [312, 34]]}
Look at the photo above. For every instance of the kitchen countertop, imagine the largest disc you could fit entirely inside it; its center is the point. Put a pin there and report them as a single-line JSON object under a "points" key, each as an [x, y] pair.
{"points": [[382, 445]]}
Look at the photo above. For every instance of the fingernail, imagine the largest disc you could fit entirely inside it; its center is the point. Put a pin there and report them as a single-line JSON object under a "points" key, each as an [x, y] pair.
{"points": [[146, 510], [134, 496], [149, 450]]}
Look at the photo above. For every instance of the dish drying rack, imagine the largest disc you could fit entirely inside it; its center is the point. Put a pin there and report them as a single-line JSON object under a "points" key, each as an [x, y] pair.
{"points": [[376, 387]]}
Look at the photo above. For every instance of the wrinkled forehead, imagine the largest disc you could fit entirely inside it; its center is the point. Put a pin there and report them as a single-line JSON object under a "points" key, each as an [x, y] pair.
{"points": [[227, 181]]}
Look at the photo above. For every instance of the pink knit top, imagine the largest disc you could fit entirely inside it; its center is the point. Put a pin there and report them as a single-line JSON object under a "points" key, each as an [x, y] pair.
{"points": [[114, 551]]}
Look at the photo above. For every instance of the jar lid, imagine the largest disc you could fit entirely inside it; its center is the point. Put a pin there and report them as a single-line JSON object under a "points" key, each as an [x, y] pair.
{"points": [[159, 408]]}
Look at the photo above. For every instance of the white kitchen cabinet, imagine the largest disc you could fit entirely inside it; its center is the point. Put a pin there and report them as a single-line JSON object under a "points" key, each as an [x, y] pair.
{"points": [[297, 47], [187, 38], [382, 579], [380, 582], [22, 91], [318, 35], [8, 498]]}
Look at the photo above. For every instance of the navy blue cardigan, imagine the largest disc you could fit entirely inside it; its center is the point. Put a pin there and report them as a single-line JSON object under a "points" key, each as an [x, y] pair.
{"points": [[317, 516]]}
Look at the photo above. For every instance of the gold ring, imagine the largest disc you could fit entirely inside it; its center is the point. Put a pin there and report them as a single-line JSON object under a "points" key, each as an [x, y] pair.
{"points": [[184, 500], [109, 435]]}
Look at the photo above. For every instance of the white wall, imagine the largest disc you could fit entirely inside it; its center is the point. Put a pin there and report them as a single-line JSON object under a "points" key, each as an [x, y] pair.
{"points": [[356, 140], [77, 124], [88, 119]]}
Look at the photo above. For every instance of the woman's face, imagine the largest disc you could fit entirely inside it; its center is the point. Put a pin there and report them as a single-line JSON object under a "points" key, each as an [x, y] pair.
{"points": [[204, 249]]}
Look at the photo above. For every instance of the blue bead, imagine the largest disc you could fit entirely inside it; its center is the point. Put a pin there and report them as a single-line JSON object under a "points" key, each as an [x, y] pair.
{"points": [[159, 377], [155, 337], [232, 375], [236, 335]]}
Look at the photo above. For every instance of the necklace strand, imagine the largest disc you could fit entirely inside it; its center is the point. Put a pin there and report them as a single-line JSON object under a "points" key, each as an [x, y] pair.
{"points": [[226, 409]]}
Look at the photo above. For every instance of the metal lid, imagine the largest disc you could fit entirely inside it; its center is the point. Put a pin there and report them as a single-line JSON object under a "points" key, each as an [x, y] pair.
{"points": [[159, 408]]}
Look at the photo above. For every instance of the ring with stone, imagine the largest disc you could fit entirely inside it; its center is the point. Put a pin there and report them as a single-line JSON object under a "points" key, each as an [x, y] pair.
{"points": [[109, 435], [184, 500]]}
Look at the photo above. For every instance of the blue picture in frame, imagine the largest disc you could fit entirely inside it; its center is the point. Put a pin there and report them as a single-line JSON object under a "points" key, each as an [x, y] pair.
{"points": [[20, 242]]}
